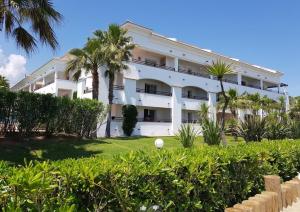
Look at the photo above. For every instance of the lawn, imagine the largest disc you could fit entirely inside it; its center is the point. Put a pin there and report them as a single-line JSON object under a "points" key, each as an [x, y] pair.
{"points": [[59, 148]]}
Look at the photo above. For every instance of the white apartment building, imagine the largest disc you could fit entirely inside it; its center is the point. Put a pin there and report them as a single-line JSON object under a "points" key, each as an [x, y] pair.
{"points": [[166, 80]]}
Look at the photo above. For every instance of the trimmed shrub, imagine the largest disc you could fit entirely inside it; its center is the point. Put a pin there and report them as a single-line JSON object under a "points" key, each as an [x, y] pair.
{"points": [[211, 132], [187, 135], [129, 119], [27, 113], [198, 179]]}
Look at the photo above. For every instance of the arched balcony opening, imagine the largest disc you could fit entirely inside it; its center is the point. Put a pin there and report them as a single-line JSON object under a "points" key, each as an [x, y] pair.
{"points": [[191, 92], [151, 86]]}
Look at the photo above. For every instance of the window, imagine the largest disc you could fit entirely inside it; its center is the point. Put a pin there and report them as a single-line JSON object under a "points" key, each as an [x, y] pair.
{"points": [[150, 88], [149, 115]]}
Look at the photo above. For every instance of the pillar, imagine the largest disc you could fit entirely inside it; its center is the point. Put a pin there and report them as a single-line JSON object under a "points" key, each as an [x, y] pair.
{"points": [[212, 103], [44, 81], [55, 76], [239, 78], [176, 109], [241, 115], [176, 64], [130, 92], [261, 84]]}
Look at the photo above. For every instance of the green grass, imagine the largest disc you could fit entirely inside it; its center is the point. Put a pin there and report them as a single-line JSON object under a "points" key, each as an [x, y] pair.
{"points": [[59, 148]]}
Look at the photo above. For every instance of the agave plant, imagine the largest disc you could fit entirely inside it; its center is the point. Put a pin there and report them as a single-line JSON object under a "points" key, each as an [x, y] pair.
{"points": [[252, 129], [187, 135]]}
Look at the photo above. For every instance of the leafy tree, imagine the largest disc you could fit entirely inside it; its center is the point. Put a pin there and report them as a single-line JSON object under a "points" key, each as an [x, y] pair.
{"points": [[219, 70], [129, 119], [4, 83], [90, 58], [117, 49], [18, 16]]}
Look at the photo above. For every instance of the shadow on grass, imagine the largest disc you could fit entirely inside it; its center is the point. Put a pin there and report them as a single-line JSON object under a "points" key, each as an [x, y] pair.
{"points": [[16, 150]]}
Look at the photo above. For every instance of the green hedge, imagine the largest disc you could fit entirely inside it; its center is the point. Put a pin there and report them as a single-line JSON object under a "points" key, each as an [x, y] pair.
{"points": [[202, 179], [26, 113]]}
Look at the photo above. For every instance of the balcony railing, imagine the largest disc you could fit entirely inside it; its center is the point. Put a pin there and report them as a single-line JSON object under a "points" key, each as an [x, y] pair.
{"points": [[195, 97], [145, 119], [87, 90], [150, 63], [164, 93], [190, 72], [118, 87]]}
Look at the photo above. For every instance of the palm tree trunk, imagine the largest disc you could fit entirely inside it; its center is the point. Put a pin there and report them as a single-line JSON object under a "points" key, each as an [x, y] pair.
{"points": [[110, 101], [95, 84], [226, 101]]}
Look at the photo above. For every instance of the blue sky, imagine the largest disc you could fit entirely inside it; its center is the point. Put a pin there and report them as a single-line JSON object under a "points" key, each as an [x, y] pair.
{"points": [[265, 33]]}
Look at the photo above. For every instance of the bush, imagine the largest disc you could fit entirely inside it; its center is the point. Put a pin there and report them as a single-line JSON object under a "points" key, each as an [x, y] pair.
{"points": [[129, 119], [187, 135], [294, 129], [211, 132], [27, 113], [252, 129], [201, 179], [277, 131]]}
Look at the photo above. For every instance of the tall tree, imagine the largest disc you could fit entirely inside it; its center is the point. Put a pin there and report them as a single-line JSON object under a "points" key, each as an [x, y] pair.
{"points": [[90, 58], [117, 50], [219, 70], [234, 101], [17, 17], [3, 83]]}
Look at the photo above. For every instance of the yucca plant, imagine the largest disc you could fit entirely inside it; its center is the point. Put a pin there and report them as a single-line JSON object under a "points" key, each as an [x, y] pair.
{"points": [[294, 129], [252, 129], [187, 135], [277, 131], [211, 132]]}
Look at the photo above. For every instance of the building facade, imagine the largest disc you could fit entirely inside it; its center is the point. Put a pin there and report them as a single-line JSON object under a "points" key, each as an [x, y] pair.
{"points": [[166, 80]]}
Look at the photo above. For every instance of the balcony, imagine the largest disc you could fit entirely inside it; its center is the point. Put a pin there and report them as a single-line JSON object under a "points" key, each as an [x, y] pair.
{"points": [[197, 70], [145, 119], [205, 98], [152, 64], [163, 93]]}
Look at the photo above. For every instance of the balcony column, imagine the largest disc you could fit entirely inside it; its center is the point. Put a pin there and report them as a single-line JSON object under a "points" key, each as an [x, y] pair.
{"points": [[55, 76], [287, 101], [44, 81], [130, 92], [212, 103], [261, 84], [30, 88], [176, 64], [176, 109], [239, 78], [241, 115]]}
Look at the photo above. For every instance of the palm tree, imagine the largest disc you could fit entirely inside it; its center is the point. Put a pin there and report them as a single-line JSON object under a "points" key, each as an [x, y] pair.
{"points": [[117, 51], [219, 70], [90, 58], [234, 101], [4, 83], [17, 16]]}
